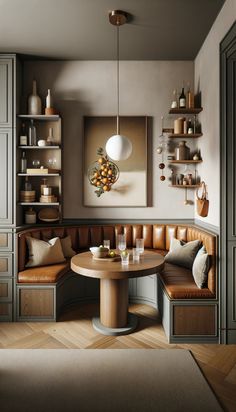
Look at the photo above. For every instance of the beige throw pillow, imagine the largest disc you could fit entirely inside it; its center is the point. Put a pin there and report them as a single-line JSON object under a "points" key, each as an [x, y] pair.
{"points": [[43, 253], [201, 266], [66, 244], [182, 254]]}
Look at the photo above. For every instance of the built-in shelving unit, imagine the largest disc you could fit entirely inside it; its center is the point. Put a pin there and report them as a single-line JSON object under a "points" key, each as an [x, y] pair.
{"points": [[197, 133], [49, 157]]}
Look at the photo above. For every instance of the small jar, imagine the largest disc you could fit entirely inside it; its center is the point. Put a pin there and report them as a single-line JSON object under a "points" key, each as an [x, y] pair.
{"points": [[30, 216], [185, 182]]}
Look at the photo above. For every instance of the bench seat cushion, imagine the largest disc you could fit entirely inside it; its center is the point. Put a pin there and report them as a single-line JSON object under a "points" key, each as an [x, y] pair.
{"points": [[179, 284], [44, 274]]}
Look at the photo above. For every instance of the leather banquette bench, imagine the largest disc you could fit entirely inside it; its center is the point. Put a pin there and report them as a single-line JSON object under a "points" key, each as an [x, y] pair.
{"points": [[188, 314]]}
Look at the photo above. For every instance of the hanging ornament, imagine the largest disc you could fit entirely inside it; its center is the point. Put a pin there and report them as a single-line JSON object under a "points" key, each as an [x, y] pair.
{"points": [[103, 173], [162, 167]]}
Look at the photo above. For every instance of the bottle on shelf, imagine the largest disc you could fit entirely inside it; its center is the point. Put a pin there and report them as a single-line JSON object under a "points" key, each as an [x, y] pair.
{"points": [[182, 99], [190, 98], [50, 138], [174, 103], [32, 134], [49, 99], [23, 135], [34, 102], [49, 109], [23, 163], [27, 185], [190, 127]]}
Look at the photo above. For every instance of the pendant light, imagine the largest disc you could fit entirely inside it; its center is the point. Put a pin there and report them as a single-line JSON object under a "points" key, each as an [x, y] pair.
{"points": [[118, 147]]}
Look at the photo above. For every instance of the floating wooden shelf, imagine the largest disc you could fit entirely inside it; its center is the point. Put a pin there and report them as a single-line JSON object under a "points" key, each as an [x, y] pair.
{"points": [[185, 135], [38, 204], [40, 175], [195, 110], [39, 117], [185, 161], [185, 186], [39, 147]]}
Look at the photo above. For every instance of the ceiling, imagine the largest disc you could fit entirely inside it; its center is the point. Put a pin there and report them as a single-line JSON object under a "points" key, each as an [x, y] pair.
{"points": [[79, 29]]}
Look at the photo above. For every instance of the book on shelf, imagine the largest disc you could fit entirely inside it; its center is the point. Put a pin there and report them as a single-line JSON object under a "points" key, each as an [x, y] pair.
{"points": [[44, 171]]}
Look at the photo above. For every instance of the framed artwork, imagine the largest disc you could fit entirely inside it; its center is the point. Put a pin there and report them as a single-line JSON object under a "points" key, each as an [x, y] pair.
{"points": [[130, 190]]}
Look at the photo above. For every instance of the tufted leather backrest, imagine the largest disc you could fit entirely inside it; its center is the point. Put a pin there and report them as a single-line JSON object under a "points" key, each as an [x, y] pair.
{"points": [[157, 236]]}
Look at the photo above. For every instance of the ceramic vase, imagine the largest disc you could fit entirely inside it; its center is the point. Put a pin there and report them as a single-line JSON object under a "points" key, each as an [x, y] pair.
{"points": [[34, 101]]}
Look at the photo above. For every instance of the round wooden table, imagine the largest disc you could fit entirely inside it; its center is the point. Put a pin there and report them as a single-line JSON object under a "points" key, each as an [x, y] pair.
{"points": [[114, 278]]}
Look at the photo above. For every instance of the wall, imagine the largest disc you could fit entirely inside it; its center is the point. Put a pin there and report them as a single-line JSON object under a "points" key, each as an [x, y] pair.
{"points": [[207, 78], [89, 88]]}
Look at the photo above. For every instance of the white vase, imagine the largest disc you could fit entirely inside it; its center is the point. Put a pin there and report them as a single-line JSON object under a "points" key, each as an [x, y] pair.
{"points": [[34, 101]]}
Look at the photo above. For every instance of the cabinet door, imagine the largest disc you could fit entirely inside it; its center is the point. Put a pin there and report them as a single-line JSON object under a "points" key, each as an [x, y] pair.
{"points": [[6, 92], [6, 176]]}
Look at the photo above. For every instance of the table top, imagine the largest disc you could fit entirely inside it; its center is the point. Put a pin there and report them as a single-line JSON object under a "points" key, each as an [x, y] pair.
{"points": [[149, 264]]}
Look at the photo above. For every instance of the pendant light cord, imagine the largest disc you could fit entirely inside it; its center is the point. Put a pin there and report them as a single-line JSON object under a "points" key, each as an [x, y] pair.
{"points": [[118, 81]]}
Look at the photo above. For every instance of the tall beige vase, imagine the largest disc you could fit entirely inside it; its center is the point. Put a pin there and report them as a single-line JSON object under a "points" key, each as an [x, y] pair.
{"points": [[34, 101]]}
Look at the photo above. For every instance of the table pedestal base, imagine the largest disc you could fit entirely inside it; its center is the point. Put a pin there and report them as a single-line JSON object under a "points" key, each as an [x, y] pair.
{"points": [[128, 328]]}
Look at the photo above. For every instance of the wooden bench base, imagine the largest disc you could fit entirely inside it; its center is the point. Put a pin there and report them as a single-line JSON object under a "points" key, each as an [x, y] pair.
{"points": [[188, 321]]}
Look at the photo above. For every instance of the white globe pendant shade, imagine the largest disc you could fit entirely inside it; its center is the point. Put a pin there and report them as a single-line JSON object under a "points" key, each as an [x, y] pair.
{"points": [[118, 147]]}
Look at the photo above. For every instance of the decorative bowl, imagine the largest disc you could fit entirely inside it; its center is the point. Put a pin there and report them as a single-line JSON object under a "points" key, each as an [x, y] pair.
{"points": [[99, 252]]}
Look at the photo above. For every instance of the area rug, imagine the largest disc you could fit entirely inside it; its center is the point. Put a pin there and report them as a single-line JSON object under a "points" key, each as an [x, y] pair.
{"points": [[104, 380]]}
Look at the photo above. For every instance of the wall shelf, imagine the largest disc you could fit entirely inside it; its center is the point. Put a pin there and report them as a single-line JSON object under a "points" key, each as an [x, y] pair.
{"points": [[185, 161], [38, 204], [54, 117], [39, 174], [194, 110], [185, 135], [185, 186], [39, 147]]}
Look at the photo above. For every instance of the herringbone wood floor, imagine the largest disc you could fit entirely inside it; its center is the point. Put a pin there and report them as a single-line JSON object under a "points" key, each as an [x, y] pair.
{"points": [[74, 330]]}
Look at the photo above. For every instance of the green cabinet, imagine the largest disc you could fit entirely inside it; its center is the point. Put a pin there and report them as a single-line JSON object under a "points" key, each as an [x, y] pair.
{"points": [[7, 183], [6, 177], [6, 94]]}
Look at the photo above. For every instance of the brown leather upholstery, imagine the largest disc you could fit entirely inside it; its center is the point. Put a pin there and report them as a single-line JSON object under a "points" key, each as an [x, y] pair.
{"points": [[43, 274], [156, 237], [179, 284]]}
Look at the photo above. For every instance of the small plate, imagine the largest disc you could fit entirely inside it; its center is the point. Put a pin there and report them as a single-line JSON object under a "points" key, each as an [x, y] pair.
{"points": [[108, 259]]}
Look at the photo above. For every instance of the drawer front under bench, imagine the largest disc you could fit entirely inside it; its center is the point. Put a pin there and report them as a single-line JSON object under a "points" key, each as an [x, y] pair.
{"points": [[36, 303], [194, 319]]}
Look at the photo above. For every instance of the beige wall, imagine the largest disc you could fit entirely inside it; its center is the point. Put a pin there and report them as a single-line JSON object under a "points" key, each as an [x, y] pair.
{"points": [[207, 77], [89, 88]]}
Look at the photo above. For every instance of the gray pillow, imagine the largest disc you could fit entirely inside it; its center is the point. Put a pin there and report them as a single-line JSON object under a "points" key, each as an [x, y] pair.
{"points": [[182, 254], [201, 266]]}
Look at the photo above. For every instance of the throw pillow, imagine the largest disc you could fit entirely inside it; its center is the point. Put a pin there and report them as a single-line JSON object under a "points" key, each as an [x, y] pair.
{"points": [[182, 254], [66, 245], [201, 266], [44, 253]]}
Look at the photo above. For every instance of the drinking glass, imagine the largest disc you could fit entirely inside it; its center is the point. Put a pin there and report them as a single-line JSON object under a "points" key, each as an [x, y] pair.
{"points": [[121, 242], [52, 162], [140, 245], [106, 243], [36, 163], [124, 258], [136, 255]]}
